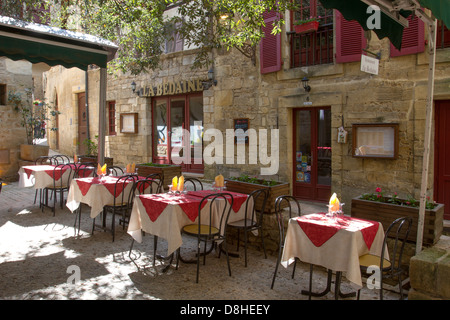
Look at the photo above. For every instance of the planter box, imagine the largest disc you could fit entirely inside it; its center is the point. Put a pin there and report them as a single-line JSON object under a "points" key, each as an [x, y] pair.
{"points": [[280, 189], [167, 172], [91, 159], [307, 27], [31, 152], [386, 213]]}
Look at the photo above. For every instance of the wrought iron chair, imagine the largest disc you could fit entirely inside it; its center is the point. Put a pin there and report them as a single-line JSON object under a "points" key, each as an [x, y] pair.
{"points": [[115, 171], [60, 186], [279, 208], [61, 159], [121, 203], [157, 182], [253, 220], [84, 171], [195, 184], [398, 231], [40, 161], [206, 232]]}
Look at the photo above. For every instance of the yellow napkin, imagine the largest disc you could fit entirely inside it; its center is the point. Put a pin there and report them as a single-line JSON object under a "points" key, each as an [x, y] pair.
{"points": [[128, 168], [181, 183], [219, 180], [101, 169], [133, 167], [174, 183], [75, 159], [334, 203]]}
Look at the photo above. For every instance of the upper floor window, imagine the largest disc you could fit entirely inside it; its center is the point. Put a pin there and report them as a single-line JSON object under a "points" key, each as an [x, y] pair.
{"points": [[174, 42], [316, 46], [111, 118], [442, 36]]}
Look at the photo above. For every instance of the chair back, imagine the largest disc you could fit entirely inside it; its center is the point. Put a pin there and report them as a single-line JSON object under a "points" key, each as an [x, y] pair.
{"points": [[84, 171], [115, 171], [124, 198], [224, 208], [45, 160], [279, 208], [196, 183], [60, 170], [61, 159], [399, 232], [259, 196], [157, 180], [146, 185]]}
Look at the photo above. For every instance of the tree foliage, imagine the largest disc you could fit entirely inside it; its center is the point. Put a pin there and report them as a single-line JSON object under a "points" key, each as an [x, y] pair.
{"points": [[141, 27]]}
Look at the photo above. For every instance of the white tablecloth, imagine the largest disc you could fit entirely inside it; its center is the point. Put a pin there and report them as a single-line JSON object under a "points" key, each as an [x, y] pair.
{"points": [[38, 176]]}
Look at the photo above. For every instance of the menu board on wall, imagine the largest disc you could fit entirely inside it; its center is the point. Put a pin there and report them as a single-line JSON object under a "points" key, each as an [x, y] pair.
{"points": [[243, 124], [375, 140]]}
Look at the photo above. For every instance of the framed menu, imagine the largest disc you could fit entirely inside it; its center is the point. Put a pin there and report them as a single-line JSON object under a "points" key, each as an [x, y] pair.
{"points": [[243, 124], [375, 140], [129, 123]]}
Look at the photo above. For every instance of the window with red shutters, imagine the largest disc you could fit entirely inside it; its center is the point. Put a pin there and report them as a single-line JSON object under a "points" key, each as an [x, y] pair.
{"points": [[112, 118], [270, 45], [350, 40], [413, 38], [442, 36]]}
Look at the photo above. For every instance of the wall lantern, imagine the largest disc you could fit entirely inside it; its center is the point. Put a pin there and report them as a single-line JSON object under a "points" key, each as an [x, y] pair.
{"points": [[211, 80], [306, 86], [133, 86]]}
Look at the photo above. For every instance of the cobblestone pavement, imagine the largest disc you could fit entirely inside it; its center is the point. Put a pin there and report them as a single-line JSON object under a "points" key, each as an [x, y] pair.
{"points": [[39, 253]]}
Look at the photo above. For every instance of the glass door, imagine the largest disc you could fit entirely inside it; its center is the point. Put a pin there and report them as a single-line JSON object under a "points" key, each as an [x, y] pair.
{"points": [[312, 154]]}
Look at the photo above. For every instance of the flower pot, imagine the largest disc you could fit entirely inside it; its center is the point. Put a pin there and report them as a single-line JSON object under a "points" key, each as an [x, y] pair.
{"points": [[167, 171], [386, 213], [279, 189], [31, 152], [307, 27]]}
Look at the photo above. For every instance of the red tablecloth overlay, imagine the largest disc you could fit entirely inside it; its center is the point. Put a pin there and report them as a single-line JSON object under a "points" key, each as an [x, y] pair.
{"points": [[238, 198], [50, 170], [319, 228], [155, 204]]}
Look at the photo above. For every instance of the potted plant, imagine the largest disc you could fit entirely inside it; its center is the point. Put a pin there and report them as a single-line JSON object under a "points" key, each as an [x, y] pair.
{"points": [[167, 171], [306, 25], [91, 155], [385, 209], [34, 116], [246, 184]]}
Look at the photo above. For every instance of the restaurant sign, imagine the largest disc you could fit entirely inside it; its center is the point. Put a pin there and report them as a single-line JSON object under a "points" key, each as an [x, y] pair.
{"points": [[172, 88]]}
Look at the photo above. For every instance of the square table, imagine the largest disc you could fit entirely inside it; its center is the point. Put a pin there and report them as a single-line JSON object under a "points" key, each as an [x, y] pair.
{"points": [[334, 243], [164, 215], [39, 176]]}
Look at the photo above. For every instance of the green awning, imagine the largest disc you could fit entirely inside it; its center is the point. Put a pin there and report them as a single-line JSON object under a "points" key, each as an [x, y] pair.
{"points": [[20, 40], [357, 10]]}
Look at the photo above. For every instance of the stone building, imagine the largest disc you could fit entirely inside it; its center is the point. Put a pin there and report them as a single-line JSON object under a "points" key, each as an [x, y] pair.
{"points": [[266, 92]]}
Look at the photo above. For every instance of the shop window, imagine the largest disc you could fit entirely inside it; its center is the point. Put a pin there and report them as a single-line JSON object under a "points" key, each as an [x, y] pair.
{"points": [[315, 47], [112, 118], [442, 36]]}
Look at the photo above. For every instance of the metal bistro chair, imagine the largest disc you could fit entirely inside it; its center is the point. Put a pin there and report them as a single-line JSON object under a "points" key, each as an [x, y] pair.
{"points": [[61, 159], [115, 171], [120, 204], [399, 232], [60, 186], [253, 219], [194, 182], [158, 180], [206, 232], [41, 161], [281, 227], [84, 171]]}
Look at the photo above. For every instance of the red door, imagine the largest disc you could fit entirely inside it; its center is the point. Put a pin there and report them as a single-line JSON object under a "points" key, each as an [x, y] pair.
{"points": [[312, 154], [442, 156]]}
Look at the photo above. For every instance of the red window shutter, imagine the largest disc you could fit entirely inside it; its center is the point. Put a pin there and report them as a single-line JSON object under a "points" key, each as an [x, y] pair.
{"points": [[350, 39], [270, 46], [413, 40]]}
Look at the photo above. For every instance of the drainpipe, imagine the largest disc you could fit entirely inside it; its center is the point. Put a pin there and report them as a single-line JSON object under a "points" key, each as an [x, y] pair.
{"points": [[86, 85]]}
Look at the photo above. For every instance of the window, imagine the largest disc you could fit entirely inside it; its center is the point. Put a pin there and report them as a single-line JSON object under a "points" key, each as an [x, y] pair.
{"points": [[112, 118], [315, 47], [442, 36], [175, 42]]}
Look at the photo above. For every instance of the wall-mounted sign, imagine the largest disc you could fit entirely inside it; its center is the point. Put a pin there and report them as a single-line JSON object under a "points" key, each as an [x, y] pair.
{"points": [[369, 64], [129, 123], [172, 88], [241, 124]]}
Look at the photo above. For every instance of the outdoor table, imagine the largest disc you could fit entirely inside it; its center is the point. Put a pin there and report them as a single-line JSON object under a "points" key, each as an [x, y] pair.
{"points": [[39, 176], [334, 243], [164, 215], [96, 192]]}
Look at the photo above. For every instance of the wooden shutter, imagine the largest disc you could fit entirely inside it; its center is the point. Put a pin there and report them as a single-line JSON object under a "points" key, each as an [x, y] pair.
{"points": [[350, 39], [412, 40], [270, 46]]}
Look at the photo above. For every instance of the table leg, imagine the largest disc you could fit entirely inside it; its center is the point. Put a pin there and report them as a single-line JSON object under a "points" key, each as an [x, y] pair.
{"points": [[337, 293]]}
